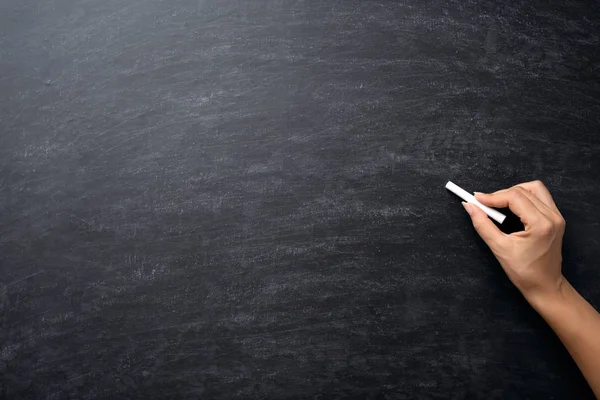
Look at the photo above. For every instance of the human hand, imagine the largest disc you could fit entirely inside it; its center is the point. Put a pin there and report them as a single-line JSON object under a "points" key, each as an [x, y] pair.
{"points": [[531, 258]]}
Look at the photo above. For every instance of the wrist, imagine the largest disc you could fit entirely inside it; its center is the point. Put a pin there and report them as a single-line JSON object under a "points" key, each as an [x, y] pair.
{"points": [[552, 296]]}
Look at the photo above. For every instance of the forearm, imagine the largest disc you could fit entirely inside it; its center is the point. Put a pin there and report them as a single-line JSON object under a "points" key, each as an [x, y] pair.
{"points": [[577, 324]]}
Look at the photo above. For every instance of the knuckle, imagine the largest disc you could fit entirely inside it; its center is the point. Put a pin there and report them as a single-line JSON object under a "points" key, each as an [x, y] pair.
{"points": [[557, 219], [518, 193], [539, 184], [513, 190], [546, 228]]}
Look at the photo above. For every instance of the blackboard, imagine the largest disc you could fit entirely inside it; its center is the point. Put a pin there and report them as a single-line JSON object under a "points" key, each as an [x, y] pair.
{"points": [[226, 199]]}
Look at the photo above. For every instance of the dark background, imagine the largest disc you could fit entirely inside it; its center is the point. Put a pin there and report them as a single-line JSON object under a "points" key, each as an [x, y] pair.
{"points": [[244, 199]]}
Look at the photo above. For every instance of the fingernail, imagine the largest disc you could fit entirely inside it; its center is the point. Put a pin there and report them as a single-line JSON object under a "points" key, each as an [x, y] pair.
{"points": [[467, 207], [476, 193]]}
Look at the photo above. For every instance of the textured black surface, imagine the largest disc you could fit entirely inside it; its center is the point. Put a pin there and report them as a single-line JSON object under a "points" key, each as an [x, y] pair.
{"points": [[244, 199]]}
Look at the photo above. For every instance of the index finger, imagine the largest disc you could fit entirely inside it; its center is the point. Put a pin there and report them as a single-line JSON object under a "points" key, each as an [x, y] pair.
{"points": [[515, 200]]}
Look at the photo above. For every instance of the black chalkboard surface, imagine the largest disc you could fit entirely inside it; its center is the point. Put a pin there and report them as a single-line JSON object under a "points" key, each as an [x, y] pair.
{"points": [[226, 199]]}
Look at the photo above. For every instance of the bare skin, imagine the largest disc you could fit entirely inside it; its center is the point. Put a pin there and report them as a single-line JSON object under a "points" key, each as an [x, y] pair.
{"points": [[532, 259]]}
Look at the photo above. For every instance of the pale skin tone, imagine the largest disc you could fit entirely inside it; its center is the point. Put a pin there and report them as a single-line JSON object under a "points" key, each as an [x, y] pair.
{"points": [[532, 259]]}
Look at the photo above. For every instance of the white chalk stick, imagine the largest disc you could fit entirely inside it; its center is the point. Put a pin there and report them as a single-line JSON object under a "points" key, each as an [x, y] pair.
{"points": [[469, 198]]}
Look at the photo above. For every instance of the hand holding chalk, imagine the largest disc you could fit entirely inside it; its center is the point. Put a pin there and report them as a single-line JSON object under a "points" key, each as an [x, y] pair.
{"points": [[469, 198], [531, 258]]}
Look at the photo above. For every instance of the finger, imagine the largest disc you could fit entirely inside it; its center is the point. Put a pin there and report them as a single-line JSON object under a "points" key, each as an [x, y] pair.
{"points": [[544, 208], [513, 199], [484, 226], [540, 205], [540, 190]]}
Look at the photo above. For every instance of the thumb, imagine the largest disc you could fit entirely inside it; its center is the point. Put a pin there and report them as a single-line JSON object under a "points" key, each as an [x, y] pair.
{"points": [[484, 226]]}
